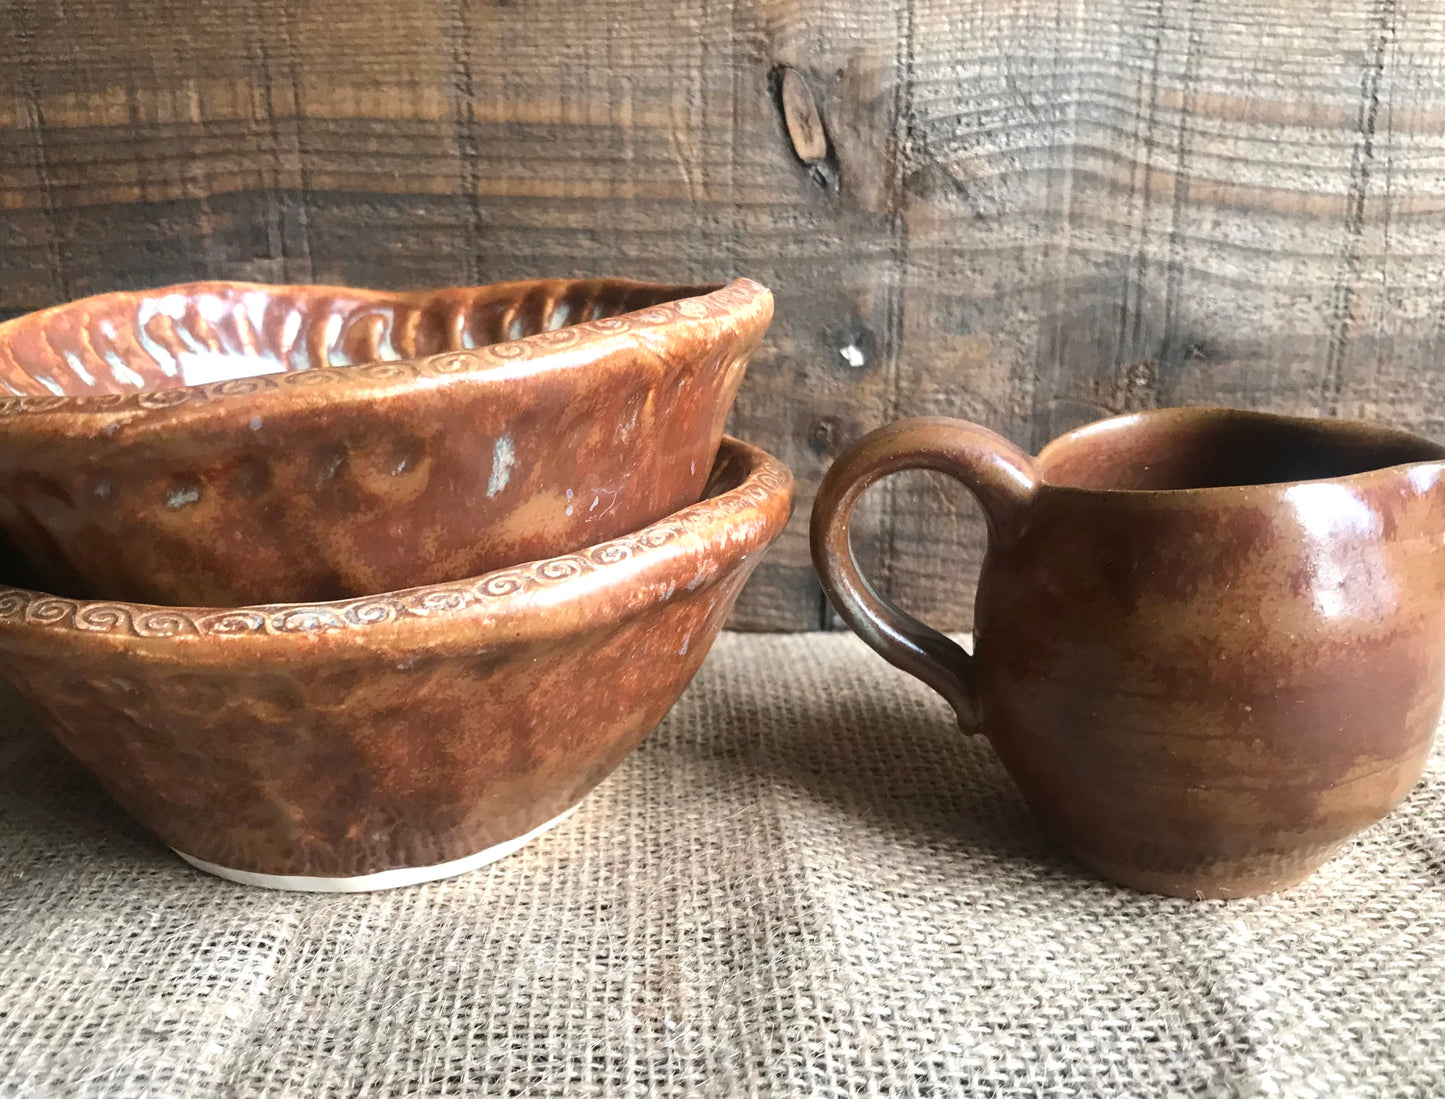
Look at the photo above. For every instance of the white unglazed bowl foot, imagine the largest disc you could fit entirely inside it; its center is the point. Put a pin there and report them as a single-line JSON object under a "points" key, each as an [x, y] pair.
{"points": [[385, 879]]}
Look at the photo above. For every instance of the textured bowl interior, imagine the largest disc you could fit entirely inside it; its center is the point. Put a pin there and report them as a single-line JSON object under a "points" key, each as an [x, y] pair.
{"points": [[205, 332]]}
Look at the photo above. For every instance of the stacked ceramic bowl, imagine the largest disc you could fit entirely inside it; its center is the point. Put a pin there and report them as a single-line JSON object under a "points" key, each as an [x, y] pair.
{"points": [[336, 589]]}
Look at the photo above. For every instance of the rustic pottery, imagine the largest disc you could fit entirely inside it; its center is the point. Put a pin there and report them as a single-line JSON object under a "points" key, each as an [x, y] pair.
{"points": [[398, 738], [1209, 644], [229, 443]]}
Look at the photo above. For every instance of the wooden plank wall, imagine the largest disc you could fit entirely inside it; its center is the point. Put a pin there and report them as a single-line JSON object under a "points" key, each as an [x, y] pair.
{"points": [[1026, 212]]}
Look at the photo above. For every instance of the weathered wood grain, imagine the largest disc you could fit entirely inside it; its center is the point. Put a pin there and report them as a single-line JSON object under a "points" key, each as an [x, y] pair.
{"points": [[1027, 212]]}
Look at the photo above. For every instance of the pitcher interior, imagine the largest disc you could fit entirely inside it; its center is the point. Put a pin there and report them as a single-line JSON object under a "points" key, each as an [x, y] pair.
{"points": [[1214, 448], [209, 332]]}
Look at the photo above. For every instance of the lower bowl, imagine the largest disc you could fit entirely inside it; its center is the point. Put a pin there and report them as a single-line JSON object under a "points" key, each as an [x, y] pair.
{"points": [[398, 738]]}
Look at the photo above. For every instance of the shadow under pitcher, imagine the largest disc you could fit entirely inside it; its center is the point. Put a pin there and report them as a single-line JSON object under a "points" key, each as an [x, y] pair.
{"points": [[1209, 643]]}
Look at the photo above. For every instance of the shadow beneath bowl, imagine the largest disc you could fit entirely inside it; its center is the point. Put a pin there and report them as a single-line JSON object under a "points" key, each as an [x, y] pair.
{"points": [[15, 570]]}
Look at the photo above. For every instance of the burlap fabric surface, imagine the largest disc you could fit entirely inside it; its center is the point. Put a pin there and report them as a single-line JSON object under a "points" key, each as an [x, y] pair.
{"points": [[807, 882]]}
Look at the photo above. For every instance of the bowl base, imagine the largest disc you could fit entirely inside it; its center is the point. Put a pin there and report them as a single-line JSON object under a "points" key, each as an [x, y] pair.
{"points": [[384, 879]]}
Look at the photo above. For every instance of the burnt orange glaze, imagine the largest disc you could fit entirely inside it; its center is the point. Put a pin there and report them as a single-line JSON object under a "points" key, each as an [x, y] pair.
{"points": [[378, 440], [404, 730], [1210, 644]]}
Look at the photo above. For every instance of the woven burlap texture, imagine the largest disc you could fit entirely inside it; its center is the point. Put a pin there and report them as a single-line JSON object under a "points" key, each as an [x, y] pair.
{"points": [[806, 882]]}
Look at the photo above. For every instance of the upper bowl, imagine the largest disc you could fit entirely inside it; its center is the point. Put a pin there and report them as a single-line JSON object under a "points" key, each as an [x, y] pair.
{"points": [[227, 443]]}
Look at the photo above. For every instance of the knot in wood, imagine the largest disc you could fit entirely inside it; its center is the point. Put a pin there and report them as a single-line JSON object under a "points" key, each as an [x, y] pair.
{"points": [[800, 115]]}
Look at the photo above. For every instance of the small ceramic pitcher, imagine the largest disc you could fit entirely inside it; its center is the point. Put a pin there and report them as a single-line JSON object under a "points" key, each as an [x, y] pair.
{"points": [[1209, 644]]}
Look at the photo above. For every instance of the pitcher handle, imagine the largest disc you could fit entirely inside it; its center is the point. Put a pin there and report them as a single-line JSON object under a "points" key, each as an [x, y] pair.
{"points": [[1000, 476]]}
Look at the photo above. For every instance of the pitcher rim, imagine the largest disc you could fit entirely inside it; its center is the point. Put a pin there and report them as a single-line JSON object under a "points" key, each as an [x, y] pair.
{"points": [[1203, 412]]}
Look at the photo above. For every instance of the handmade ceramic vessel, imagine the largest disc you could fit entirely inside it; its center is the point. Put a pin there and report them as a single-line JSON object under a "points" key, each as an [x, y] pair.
{"points": [[226, 443], [397, 738], [1209, 644]]}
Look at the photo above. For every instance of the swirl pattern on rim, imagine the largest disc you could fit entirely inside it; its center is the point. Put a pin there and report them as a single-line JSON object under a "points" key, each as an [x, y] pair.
{"points": [[24, 607], [720, 304]]}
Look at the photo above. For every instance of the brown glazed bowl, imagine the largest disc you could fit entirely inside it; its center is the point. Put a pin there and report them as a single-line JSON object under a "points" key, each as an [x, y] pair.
{"points": [[228, 443], [362, 744]]}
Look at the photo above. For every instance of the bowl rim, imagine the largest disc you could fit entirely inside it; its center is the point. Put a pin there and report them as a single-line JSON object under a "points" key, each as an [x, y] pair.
{"points": [[740, 304], [545, 599]]}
